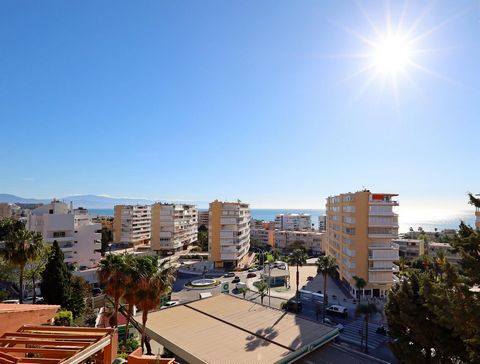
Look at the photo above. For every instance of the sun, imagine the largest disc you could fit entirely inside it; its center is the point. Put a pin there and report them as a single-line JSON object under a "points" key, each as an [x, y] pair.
{"points": [[391, 54]]}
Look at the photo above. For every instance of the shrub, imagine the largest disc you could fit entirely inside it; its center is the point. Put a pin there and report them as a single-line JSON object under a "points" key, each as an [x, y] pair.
{"points": [[63, 318]]}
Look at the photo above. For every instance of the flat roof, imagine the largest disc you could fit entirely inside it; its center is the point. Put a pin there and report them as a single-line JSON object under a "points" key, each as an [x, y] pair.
{"points": [[230, 329]]}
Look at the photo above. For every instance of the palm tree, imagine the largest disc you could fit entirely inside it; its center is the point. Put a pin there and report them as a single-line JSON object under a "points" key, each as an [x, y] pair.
{"points": [[132, 275], [152, 285], [360, 284], [262, 289], [367, 310], [439, 262], [36, 266], [111, 274], [21, 247], [326, 265], [298, 258], [243, 291]]}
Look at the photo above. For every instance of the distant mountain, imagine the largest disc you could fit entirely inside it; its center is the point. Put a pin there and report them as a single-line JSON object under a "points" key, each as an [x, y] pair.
{"points": [[90, 201], [4, 197]]}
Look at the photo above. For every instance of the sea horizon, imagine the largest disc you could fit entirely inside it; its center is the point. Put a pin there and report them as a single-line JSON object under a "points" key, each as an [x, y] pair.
{"points": [[405, 221]]}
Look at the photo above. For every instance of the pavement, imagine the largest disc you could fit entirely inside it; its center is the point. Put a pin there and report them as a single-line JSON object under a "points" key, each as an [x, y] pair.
{"points": [[353, 332]]}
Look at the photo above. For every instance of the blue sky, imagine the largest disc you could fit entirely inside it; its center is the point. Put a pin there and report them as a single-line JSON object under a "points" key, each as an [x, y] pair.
{"points": [[258, 100]]}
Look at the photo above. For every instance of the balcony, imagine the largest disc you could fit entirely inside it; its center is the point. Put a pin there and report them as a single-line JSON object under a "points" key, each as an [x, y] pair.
{"points": [[382, 235], [383, 255], [381, 269]]}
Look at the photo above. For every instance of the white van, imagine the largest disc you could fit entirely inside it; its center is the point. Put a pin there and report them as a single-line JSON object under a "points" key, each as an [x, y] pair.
{"points": [[338, 310]]}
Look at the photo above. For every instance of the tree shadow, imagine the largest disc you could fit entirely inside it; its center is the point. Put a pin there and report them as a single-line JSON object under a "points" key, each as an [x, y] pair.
{"points": [[261, 338]]}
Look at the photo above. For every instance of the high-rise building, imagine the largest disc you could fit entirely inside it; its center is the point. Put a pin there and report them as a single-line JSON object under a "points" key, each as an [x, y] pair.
{"points": [[229, 234], [322, 222], [132, 224], [77, 236], [360, 229], [293, 222], [203, 218], [174, 227]]}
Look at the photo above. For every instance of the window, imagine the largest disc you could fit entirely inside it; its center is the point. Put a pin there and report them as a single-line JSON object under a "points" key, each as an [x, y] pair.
{"points": [[59, 234]]}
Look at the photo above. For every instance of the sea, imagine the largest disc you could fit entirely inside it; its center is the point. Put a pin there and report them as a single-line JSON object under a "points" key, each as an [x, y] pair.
{"points": [[427, 222]]}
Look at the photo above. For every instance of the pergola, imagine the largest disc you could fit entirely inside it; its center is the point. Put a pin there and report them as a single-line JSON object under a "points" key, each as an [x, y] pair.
{"points": [[57, 344]]}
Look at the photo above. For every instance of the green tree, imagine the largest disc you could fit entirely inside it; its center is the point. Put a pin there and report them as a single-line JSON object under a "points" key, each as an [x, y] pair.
{"points": [[35, 268], [434, 317], [202, 240], [22, 247], [78, 293], [152, 285], [367, 310], [298, 257], [262, 288], [111, 275], [326, 265], [360, 284], [243, 291], [8, 226], [56, 278]]}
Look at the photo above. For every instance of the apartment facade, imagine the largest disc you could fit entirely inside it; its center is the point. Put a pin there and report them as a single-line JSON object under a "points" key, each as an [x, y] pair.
{"points": [[203, 218], [360, 230], [410, 248], [264, 233], [435, 247], [322, 223], [132, 224], [174, 227], [8, 210], [77, 236], [293, 222], [312, 240], [228, 234]]}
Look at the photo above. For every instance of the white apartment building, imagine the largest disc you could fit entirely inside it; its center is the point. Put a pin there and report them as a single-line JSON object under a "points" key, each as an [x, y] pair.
{"points": [[77, 236], [293, 222], [322, 223], [174, 227], [132, 224], [410, 248], [229, 233], [312, 241]]}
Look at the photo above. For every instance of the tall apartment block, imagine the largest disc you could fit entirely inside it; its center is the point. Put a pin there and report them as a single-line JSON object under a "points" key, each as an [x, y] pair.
{"points": [[322, 222], [174, 227], [131, 224], [203, 218], [229, 234], [77, 236], [293, 222], [360, 229]]}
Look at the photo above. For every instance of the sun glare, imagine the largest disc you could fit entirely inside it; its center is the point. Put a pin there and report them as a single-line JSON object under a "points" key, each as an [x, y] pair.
{"points": [[391, 54]]}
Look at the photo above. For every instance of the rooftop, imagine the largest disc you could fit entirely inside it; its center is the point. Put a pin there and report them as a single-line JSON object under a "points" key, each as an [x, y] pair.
{"points": [[227, 327]]}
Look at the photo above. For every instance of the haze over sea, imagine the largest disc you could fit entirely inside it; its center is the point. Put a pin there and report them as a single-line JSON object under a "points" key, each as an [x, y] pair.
{"points": [[428, 221]]}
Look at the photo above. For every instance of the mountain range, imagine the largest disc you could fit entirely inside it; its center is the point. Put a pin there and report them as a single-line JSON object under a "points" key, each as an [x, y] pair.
{"points": [[90, 201]]}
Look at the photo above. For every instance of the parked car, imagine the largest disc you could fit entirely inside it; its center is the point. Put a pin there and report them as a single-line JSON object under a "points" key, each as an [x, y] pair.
{"points": [[169, 304], [251, 275], [38, 299], [229, 275], [337, 310], [339, 326], [254, 269], [236, 279], [260, 267], [291, 305], [11, 301], [309, 278]]}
